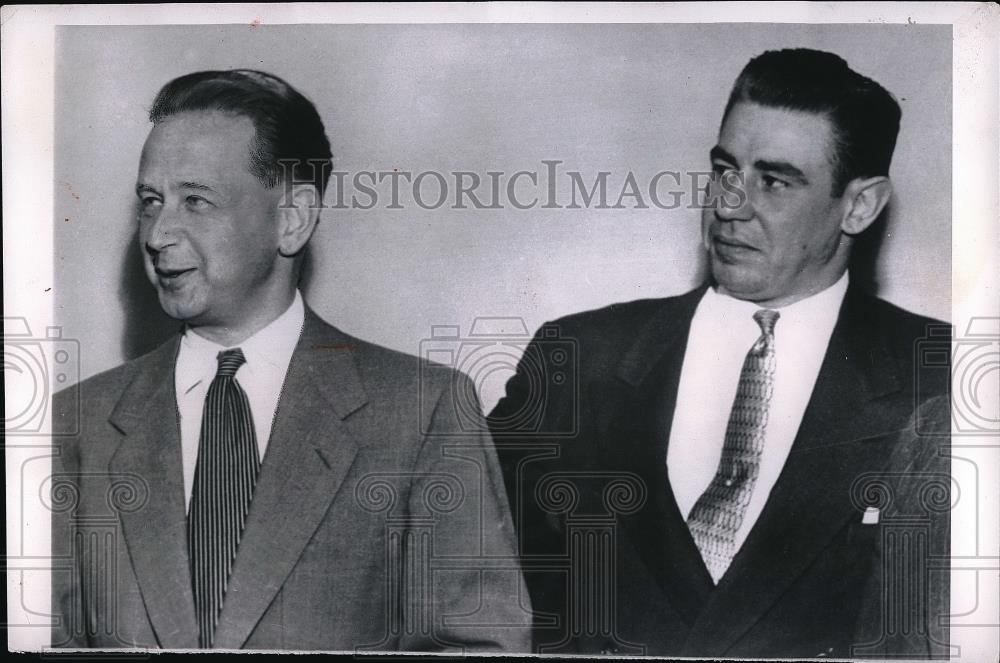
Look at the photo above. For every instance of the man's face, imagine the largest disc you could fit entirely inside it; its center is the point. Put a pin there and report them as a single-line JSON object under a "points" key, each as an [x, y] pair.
{"points": [[784, 242], [207, 227]]}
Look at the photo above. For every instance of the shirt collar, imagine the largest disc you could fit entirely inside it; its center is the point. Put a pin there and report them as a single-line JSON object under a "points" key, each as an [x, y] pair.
{"points": [[819, 310], [816, 311], [269, 349]]}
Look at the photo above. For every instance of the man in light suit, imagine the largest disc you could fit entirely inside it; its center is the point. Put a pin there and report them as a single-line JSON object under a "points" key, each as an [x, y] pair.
{"points": [[723, 437], [263, 480]]}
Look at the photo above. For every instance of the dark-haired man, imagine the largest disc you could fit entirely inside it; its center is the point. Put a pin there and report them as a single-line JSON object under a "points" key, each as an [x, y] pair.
{"points": [[728, 433], [263, 480]]}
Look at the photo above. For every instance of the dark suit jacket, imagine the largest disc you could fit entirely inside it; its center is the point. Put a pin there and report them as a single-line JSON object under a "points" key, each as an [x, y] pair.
{"points": [[609, 560], [372, 517]]}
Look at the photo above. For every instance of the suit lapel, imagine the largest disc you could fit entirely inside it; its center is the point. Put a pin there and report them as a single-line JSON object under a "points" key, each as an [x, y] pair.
{"points": [[156, 535], [309, 453], [845, 430], [635, 412]]}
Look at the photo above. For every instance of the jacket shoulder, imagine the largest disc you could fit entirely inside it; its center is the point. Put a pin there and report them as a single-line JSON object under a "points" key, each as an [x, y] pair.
{"points": [[99, 383], [904, 333], [906, 324], [384, 370], [621, 318], [95, 397], [919, 345]]}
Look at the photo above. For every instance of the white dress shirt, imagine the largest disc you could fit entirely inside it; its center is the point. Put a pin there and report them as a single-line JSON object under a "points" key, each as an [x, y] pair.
{"points": [[722, 332], [268, 353]]}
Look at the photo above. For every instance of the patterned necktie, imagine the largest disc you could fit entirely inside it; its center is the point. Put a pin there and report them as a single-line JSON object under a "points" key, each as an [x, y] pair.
{"points": [[718, 513], [223, 486]]}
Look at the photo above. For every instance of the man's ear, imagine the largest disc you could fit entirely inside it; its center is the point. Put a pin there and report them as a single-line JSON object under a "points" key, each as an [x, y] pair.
{"points": [[866, 198], [298, 214]]}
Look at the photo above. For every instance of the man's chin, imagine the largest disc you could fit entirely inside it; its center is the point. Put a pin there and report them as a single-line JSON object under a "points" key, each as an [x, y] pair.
{"points": [[182, 311], [739, 282]]}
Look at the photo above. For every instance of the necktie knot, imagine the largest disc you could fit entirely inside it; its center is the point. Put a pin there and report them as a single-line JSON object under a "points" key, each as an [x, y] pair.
{"points": [[230, 362], [765, 319]]}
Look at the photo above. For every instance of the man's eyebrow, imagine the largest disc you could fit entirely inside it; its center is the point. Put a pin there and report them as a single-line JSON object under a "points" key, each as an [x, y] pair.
{"points": [[198, 186], [719, 154], [781, 168]]}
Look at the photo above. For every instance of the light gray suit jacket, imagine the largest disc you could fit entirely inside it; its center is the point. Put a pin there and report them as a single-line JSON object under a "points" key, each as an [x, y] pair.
{"points": [[379, 520]]}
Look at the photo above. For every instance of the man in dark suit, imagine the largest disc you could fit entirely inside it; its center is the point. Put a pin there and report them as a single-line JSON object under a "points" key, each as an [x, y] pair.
{"points": [[689, 483], [263, 480]]}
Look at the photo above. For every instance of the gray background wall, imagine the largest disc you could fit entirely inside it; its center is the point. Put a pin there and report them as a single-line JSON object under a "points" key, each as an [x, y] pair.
{"points": [[615, 98]]}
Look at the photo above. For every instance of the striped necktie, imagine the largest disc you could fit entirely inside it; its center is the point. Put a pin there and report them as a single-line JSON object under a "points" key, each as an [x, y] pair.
{"points": [[223, 487], [718, 513]]}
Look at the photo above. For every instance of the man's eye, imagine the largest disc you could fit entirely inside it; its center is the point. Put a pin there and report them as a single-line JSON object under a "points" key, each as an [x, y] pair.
{"points": [[148, 201], [196, 201], [720, 169], [771, 182]]}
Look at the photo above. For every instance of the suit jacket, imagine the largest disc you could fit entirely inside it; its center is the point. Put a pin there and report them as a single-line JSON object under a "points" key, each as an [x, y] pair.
{"points": [[609, 560], [379, 519]]}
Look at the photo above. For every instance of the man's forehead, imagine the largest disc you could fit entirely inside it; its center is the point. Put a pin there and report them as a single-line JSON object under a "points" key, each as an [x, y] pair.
{"points": [[754, 132], [206, 142]]}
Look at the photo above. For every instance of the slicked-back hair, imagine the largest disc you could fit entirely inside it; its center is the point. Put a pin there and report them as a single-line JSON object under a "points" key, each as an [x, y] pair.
{"points": [[289, 134], [863, 115]]}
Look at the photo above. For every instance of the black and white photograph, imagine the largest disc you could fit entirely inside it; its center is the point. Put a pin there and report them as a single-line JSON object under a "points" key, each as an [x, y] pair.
{"points": [[639, 329]]}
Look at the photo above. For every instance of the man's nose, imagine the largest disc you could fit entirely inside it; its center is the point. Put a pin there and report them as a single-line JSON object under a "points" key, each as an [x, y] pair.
{"points": [[732, 200], [162, 231]]}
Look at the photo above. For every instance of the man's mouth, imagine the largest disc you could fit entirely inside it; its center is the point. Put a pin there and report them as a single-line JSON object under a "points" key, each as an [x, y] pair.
{"points": [[730, 243], [171, 276], [731, 250]]}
